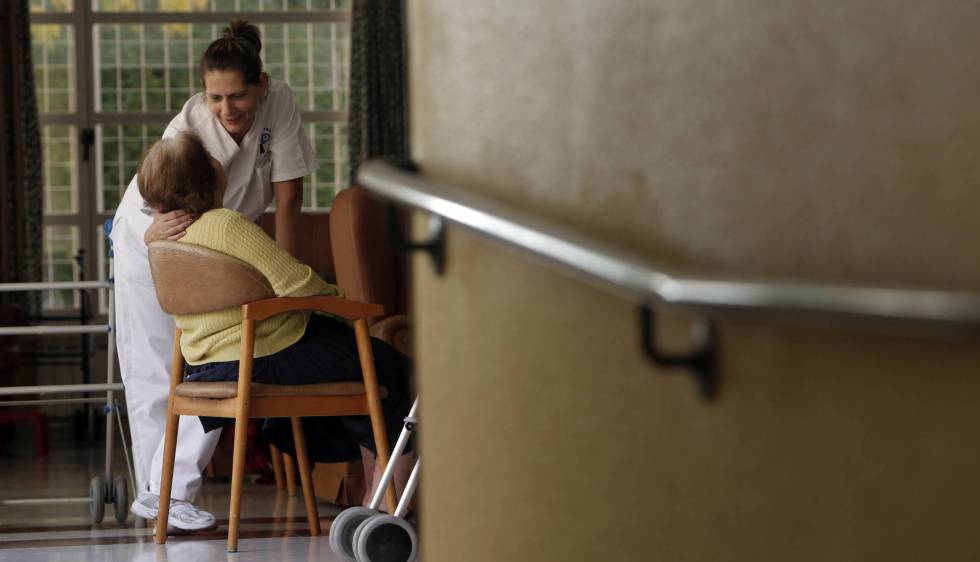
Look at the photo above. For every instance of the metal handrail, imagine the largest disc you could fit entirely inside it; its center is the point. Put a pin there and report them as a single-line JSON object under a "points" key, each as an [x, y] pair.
{"points": [[59, 389], [54, 285], [38, 330], [643, 281]]}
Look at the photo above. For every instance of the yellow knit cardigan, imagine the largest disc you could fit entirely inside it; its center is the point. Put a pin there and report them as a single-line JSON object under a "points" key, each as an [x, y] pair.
{"points": [[216, 336]]}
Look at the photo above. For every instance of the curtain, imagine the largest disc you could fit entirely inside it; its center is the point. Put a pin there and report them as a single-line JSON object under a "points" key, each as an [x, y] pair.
{"points": [[20, 156], [378, 117]]}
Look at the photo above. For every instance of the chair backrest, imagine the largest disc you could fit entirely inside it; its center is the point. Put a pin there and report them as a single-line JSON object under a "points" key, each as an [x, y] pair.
{"points": [[364, 261], [192, 279]]}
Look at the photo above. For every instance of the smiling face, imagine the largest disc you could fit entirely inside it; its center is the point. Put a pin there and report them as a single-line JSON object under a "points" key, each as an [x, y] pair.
{"points": [[232, 101]]}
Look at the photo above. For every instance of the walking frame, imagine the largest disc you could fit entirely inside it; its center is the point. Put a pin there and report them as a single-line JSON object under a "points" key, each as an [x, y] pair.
{"points": [[103, 489]]}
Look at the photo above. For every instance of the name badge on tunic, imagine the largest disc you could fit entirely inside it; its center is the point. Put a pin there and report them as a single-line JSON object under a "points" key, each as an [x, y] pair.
{"points": [[265, 155], [264, 140]]}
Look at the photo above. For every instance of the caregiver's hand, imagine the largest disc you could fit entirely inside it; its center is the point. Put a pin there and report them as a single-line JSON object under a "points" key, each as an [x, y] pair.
{"points": [[168, 226]]}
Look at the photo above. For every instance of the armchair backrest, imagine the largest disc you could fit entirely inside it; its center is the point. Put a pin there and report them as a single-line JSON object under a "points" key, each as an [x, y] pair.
{"points": [[364, 261], [314, 242], [192, 279]]}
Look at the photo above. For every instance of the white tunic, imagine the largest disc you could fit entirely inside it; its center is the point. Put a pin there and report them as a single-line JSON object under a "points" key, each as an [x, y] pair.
{"points": [[274, 149]]}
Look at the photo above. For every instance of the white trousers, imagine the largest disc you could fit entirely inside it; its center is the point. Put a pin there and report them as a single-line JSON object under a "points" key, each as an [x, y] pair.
{"points": [[144, 340]]}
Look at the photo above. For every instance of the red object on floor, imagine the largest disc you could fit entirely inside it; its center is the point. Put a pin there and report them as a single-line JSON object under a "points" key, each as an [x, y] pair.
{"points": [[37, 419]]}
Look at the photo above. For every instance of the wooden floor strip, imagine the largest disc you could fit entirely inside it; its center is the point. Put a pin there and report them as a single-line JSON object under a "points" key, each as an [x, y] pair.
{"points": [[130, 525], [216, 535]]}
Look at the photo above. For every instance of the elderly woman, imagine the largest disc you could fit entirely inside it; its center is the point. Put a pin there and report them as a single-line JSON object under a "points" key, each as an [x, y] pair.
{"points": [[290, 348]]}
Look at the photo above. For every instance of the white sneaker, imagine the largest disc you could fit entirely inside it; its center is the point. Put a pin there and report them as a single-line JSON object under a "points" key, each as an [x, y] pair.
{"points": [[145, 505], [182, 515]]}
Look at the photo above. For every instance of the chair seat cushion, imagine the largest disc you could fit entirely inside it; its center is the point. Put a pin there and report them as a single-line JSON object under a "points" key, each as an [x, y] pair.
{"points": [[229, 389]]}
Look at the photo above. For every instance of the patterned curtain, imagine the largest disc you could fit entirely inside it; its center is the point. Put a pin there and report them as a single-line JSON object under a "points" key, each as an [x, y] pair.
{"points": [[378, 116], [20, 156]]}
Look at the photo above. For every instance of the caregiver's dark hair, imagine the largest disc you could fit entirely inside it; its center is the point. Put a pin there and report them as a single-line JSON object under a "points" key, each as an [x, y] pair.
{"points": [[238, 49]]}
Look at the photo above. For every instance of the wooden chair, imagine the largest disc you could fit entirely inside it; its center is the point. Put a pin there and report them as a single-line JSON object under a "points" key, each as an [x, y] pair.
{"points": [[190, 279]]}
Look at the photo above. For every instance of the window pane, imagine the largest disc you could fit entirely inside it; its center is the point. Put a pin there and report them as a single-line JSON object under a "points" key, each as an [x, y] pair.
{"points": [[53, 52], [118, 149], [330, 144], [154, 67], [60, 246], [312, 58], [145, 67], [52, 6], [59, 145]]}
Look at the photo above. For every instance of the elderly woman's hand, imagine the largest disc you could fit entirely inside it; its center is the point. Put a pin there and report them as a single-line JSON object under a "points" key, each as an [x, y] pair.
{"points": [[168, 226]]}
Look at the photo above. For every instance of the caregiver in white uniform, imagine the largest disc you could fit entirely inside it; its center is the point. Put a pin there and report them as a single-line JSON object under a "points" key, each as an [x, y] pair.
{"points": [[251, 125]]}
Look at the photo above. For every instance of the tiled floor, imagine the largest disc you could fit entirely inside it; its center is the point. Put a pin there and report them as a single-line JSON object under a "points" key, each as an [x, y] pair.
{"points": [[273, 526]]}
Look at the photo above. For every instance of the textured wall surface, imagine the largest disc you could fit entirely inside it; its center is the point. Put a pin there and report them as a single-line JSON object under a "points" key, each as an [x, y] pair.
{"points": [[805, 139], [794, 140]]}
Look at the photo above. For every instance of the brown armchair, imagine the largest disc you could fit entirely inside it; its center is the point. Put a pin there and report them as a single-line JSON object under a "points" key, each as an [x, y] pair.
{"points": [[366, 268]]}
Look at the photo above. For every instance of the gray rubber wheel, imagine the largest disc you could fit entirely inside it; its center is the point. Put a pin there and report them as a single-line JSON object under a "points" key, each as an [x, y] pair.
{"points": [[342, 530], [120, 498], [97, 493], [386, 538]]}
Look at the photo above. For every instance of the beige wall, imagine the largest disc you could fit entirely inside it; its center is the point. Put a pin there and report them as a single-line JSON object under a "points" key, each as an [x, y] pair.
{"points": [[762, 138]]}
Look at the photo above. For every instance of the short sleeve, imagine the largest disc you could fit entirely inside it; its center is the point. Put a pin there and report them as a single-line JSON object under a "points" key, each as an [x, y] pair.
{"points": [[292, 153]]}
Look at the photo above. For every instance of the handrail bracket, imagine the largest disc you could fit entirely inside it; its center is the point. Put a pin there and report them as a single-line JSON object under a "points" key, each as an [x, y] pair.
{"points": [[434, 245], [702, 359]]}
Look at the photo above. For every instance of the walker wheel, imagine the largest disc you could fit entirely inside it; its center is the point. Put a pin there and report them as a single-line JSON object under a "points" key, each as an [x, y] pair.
{"points": [[97, 494], [120, 498], [386, 538], [342, 530]]}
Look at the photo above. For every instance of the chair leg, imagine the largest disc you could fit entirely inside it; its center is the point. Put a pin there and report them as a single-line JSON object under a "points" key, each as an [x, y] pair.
{"points": [[374, 405], [237, 481], [167, 478], [306, 476], [277, 455], [289, 467]]}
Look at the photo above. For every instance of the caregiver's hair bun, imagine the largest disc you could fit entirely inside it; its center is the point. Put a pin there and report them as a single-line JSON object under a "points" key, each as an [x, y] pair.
{"points": [[241, 30], [238, 49]]}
